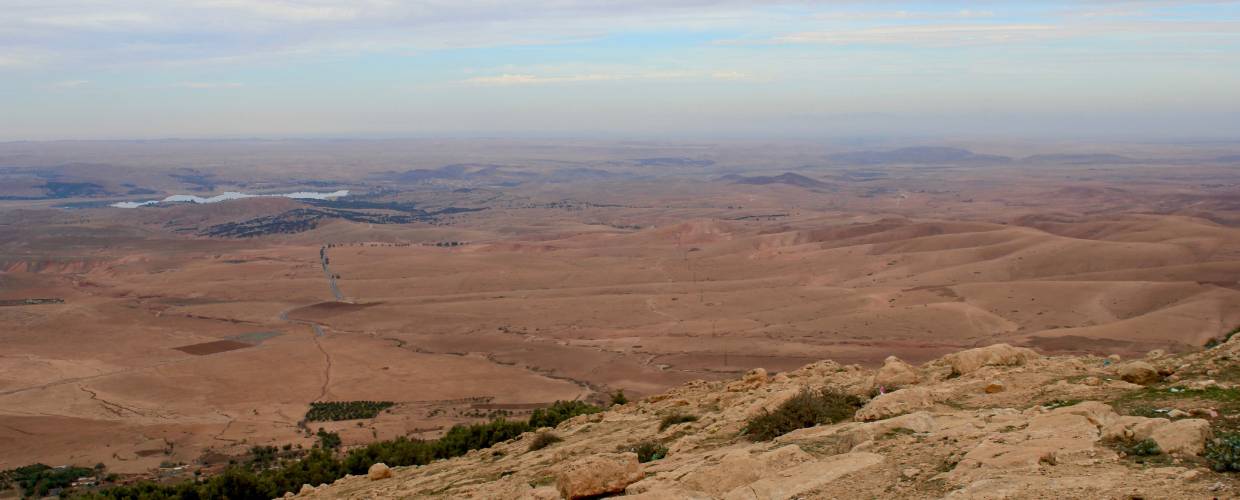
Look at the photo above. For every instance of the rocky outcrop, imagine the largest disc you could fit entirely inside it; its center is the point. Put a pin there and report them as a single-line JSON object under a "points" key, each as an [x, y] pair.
{"points": [[805, 478], [994, 422]]}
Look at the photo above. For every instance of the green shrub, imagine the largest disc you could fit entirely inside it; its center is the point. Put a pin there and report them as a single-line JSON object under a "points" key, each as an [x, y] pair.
{"points": [[328, 440], [1060, 403], [38, 480], [675, 418], [807, 409], [648, 451], [1143, 448], [618, 397], [1223, 452], [1215, 342], [460, 439], [262, 456], [543, 440], [560, 411]]}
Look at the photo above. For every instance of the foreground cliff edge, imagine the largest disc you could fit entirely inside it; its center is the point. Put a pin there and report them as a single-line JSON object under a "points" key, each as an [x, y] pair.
{"points": [[992, 422]]}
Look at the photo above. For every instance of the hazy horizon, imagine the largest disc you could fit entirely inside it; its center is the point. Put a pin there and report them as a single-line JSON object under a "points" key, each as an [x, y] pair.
{"points": [[132, 69]]}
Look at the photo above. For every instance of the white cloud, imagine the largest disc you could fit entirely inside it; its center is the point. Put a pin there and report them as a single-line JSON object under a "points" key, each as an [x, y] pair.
{"points": [[527, 79], [903, 15], [84, 33], [209, 85], [94, 21], [8, 60], [930, 34], [69, 84], [516, 79], [289, 11], [506, 79], [729, 75]]}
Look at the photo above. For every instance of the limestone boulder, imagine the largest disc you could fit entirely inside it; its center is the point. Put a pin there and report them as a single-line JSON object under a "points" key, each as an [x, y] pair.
{"points": [[1186, 437], [969, 361], [1139, 372], [895, 374], [896, 403], [598, 475], [1098, 414], [1130, 428], [756, 375], [379, 471]]}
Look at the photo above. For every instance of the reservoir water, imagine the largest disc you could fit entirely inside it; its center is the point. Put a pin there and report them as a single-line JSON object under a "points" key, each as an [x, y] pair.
{"points": [[231, 195]]}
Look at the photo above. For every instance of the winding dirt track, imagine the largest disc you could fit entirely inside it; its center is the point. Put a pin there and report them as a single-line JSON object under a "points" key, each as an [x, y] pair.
{"points": [[317, 328]]}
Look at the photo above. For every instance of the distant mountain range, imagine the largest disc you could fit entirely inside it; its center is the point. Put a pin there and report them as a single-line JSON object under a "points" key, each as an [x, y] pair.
{"points": [[1080, 159], [920, 155], [934, 155], [790, 179]]}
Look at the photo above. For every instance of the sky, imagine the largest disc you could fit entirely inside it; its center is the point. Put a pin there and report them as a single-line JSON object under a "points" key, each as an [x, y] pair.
{"points": [[119, 69]]}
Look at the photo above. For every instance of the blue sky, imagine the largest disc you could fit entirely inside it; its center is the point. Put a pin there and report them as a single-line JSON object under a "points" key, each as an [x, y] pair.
{"points": [[637, 68]]}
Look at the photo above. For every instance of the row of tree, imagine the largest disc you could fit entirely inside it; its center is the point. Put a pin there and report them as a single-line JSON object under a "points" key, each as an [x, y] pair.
{"points": [[38, 480], [345, 410], [270, 476]]}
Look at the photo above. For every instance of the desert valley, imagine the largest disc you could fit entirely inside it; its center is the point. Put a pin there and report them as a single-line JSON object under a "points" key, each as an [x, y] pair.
{"points": [[458, 281]]}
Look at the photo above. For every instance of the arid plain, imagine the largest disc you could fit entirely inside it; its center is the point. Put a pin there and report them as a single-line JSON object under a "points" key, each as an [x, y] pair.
{"points": [[459, 279]]}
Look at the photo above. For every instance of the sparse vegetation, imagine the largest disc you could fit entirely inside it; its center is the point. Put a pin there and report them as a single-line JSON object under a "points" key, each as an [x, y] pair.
{"points": [[618, 398], [328, 440], [897, 432], [305, 219], [1215, 393], [648, 451], [676, 418], [1143, 448], [38, 480], [268, 474], [807, 409], [1060, 403], [560, 411], [1145, 451], [346, 410], [543, 440], [1215, 342], [1155, 401], [1223, 452]]}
